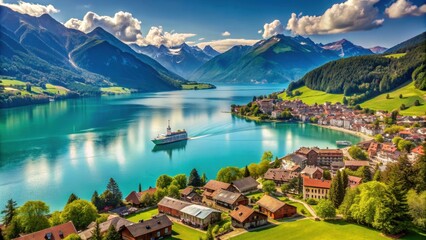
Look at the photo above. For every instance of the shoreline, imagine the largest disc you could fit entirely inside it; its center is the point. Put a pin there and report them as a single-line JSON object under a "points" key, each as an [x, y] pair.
{"points": [[358, 134]]}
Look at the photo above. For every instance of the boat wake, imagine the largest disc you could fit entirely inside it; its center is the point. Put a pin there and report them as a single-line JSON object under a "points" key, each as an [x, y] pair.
{"points": [[198, 137]]}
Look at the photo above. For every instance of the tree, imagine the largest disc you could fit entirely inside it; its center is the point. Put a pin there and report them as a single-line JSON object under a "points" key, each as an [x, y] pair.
{"points": [[164, 181], [345, 101], [253, 169], [73, 236], [9, 211], [336, 190], [228, 174], [32, 216], [107, 199], [72, 198], [403, 107], [377, 174], [326, 175], [357, 153], [419, 167], [345, 180], [379, 138], [246, 172], [365, 174], [400, 96], [267, 156], [417, 102], [401, 170], [96, 232], [277, 163], [194, 179], [13, 229], [112, 234], [115, 190], [417, 208], [140, 187], [387, 96], [181, 180], [325, 209], [97, 201], [159, 194], [263, 167], [80, 212], [28, 87], [396, 140], [268, 186], [209, 233], [173, 191], [203, 179], [55, 218], [147, 199], [285, 188], [405, 145]]}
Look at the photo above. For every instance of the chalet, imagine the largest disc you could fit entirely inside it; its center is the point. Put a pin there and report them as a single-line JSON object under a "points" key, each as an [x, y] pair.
{"points": [[190, 195], [171, 206], [275, 208], [314, 188], [156, 228], [354, 181], [246, 185], [199, 216], [246, 217], [312, 172], [53, 233], [113, 220], [229, 199], [279, 176], [213, 185], [354, 165], [135, 197], [416, 152]]}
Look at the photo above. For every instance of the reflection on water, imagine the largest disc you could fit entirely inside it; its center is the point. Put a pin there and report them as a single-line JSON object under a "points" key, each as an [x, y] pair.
{"points": [[49, 151]]}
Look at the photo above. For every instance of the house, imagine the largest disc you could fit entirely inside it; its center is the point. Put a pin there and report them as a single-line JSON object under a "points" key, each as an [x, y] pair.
{"points": [[266, 105], [275, 208], [310, 154], [373, 149], [190, 195], [314, 188], [199, 216], [171, 206], [229, 199], [213, 185], [416, 152], [388, 153], [246, 217], [156, 228], [364, 145], [324, 157], [245, 185], [312, 172], [276, 114], [354, 181], [336, 166], [135, 197], [53, 233], [298, 159], [114, 221], [354, 165], [279, 176]]}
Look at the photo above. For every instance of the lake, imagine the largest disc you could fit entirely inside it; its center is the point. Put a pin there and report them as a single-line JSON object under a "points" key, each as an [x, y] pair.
{"points": [[49, 151]]}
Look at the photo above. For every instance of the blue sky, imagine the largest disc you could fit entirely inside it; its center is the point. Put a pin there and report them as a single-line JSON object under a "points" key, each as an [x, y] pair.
{"points": [[206, 21]]}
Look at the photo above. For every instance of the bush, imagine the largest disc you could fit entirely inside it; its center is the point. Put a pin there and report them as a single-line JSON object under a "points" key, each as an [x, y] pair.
{"points": [[311, 201]]}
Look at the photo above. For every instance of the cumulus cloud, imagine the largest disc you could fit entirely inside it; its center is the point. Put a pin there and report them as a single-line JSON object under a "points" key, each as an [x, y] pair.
{"points": [[273, 28], [352, 15], [31, 8], [402, 8], [128, 29], [260, 31], [226, 34], [225, 44]]}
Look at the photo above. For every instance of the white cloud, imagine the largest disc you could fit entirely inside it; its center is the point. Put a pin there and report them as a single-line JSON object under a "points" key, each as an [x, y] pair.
{"points": [[402, 8], [31, 8], [225, 44], [273, 28], [128, 29], [201, 39], [260, 31], [226, 34], [352, 15]]}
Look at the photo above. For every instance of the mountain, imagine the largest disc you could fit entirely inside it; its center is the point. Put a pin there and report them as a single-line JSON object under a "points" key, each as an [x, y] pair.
{"points": [[42, 50], [277, 59], [182, 59], [406, 45], [378, 49], [363, 77], [211, 52], [345, 48]]}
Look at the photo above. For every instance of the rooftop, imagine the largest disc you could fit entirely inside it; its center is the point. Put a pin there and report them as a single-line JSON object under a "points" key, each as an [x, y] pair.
{"points": [[316, 183], [198, 211], [173, 203], [241, 213], [245, 184], [226, 196], [271, 204], [57, 232], [216, 185], [148, 226]]}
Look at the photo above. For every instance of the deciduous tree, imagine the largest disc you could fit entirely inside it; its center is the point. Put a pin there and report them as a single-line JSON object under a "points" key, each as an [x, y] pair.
{"points": [[268, 187], [228, 174], [181, 180], [164, 181], [80, 212], [326, 209]]}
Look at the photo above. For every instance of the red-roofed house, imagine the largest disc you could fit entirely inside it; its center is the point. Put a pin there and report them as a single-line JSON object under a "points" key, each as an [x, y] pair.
{"points": [[275, 208], [354, 181], [315, 188], [135, 197], [54, 233], [416, 152], [213, 185], [246, 217]]}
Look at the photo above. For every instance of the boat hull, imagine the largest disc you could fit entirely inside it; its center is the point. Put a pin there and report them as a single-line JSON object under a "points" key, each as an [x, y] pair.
{"points": [[169, 139]]}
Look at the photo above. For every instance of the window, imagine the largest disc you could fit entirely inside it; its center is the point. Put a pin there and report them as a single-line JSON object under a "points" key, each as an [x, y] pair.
{"points": [[166, 230], [158, 233]]}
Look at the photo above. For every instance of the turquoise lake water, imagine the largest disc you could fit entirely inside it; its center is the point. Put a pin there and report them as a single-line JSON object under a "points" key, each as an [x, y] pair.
{"points": [[49, 151]]}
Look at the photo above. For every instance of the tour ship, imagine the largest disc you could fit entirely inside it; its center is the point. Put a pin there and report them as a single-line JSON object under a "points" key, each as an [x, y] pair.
{"points": [[343, 143], [170, 136]]}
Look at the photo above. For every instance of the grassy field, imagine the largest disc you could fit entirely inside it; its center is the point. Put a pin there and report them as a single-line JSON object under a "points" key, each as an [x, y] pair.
{"points": [[19, 86], [409, 93], [179, 231], [395, 55], [309, 229], [199, 86], [115, 90], [311, 97]]}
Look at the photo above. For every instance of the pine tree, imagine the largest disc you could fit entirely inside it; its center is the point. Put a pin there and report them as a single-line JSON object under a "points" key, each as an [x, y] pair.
{"points": [[72, 198], [96, 232], [194, 179], [366, 174], [203, 179], [140, 188], [377, 174], [345, 180], [115, 190], [96, 200], [112, 234], [337, 190], [9, 211], [246, 172]]}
